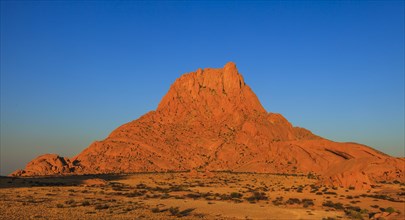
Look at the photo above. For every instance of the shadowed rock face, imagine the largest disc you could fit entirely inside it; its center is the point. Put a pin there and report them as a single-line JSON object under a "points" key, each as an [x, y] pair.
{"points": [[211, 120]]}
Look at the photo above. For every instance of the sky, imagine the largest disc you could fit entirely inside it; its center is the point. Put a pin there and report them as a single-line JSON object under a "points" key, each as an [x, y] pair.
{"points": [[73, 71]]}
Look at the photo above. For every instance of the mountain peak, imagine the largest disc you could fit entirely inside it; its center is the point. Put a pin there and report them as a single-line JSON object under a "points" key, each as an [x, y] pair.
{"points": [[232, 80], [230, 68], [211, 89], [211, 120]]}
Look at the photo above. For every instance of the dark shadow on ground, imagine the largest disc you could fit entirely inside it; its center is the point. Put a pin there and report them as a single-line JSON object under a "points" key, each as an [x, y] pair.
{"points": [[71, 180], [68, 180]]}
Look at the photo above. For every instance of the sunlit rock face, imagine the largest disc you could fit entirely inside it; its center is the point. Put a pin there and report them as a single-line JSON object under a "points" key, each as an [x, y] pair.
{"points": [[211, 120]]}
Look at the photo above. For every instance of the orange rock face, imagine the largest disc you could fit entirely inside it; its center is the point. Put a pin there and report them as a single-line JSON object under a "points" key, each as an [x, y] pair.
{"points": [[211, 120], [47, 164]]}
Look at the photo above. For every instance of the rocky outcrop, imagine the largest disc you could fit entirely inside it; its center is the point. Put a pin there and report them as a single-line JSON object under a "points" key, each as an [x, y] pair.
{"points": [[211, 120], [47, 164]]}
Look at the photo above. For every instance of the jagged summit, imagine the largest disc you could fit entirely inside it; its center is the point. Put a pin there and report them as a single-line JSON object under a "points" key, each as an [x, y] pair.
{"points": [[211, 120], [210, 92]]}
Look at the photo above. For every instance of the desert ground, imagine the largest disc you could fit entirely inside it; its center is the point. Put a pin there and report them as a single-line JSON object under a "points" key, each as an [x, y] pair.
{"points": [[194, 195]]}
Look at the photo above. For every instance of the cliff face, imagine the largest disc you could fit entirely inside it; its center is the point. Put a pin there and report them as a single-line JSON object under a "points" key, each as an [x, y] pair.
{"points": [[211, 120]]}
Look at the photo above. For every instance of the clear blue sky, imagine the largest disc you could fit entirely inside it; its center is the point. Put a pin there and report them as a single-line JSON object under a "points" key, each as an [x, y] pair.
{"points": [[71, 72]]}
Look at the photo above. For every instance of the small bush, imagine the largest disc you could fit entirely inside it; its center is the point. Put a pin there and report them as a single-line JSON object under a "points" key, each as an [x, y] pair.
{"points": [[292, 201], [133, 194], [311, 176], [225, 197], [354, 215], [307, 203], [185, 212], [278, 201], [257, 196], [193, 195], [165, 196], [100, 206], [155, 210], [338, 206], [174, 210], [390, 210], [70, 201], [236, 195]]}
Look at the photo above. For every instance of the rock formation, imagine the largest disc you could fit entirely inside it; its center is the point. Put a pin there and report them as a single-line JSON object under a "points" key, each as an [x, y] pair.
{"points": [[211, 120], [47, 164]]}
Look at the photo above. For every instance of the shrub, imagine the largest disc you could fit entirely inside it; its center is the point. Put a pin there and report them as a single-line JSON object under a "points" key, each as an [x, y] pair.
{"points": [[70, 201], [236, 195], [390, 210], [174, 210], [292, 201], [307, 203], [194, 195], [257, 196], [100, 206], [354, 208], [278, 201], [354, 215], [165, 196], [185, 212], [155, 210], [338, 206], [225, 197]]}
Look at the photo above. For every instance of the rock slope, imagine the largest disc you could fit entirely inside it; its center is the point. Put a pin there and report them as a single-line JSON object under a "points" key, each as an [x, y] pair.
{"points": [[211, 120]]}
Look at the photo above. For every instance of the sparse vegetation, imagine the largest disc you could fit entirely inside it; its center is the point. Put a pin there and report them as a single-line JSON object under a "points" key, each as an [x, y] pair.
{"points": [[307, 203], [70, 201], [236, 195], [292, 201], [102, 206], [175, 211], [278, 201], [337, 206], [256, 196], [151, 193], [390, 210], [85, 203]]}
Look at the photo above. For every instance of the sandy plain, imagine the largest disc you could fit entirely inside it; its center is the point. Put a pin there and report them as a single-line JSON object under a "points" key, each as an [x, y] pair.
{"points": [[195, 195]]}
